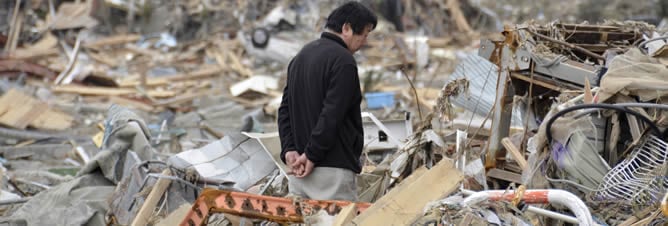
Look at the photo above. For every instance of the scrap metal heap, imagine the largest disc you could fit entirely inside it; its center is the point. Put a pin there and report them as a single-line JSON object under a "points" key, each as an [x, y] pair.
{"points": [[577, 109]]}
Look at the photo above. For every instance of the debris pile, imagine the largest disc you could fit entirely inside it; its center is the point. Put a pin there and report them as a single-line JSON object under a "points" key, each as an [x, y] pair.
{"points": [[164, 112]]}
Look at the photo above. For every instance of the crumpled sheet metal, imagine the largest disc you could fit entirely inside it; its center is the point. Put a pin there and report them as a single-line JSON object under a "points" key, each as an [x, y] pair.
{"points": [[637, 74], [482, 77], [235, 157]]}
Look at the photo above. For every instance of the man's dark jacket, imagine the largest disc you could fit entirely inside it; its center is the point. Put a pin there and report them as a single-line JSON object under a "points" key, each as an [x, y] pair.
{"points": [[320, 112]]}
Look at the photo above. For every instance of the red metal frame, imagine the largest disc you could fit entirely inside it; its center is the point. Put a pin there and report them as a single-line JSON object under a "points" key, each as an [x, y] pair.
{"points": [[276, 209]]}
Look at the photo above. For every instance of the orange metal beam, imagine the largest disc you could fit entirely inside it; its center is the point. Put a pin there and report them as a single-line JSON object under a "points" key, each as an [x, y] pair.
{"points": [[276, 209]]}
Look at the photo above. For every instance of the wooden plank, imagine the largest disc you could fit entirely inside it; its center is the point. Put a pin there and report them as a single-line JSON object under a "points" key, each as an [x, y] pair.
{"points": [[104, 91], [153, 81], [458, 16], [131, 103], [113, 40], [405, 203], [146, 210], [517, 155], [14, 28], [184, 97], [537, 82], [346, 215], [504, 175], [238, 66], [199, 74]]}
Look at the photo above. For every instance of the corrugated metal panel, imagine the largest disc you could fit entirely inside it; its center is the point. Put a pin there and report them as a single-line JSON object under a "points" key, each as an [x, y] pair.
{"points": [[483, 77]]}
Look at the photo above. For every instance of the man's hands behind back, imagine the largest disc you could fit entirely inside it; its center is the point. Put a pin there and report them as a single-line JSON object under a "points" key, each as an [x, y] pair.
{"points": [[300, 165]]}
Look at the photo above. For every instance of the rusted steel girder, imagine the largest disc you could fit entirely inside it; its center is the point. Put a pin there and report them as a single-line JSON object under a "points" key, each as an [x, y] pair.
{"points": [[276, 209]]}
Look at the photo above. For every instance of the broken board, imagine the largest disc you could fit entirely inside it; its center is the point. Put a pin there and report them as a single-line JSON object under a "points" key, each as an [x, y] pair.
{"points": [[18, 110], [405, 203]]}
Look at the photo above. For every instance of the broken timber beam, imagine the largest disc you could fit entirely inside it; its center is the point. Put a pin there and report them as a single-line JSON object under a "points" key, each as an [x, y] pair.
{"points": [[517, 155], [405, 203]]}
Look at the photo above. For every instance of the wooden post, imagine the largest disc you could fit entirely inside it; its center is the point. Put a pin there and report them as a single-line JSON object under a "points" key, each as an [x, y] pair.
{"points": [[151, 201], [517, 155]]}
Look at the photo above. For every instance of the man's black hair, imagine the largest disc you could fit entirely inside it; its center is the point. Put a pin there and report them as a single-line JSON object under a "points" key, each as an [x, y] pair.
{"points": [[358, 15]]}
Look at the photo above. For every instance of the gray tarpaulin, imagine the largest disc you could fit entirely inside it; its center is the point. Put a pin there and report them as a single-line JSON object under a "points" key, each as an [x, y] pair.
{"points": [[81, 201]]}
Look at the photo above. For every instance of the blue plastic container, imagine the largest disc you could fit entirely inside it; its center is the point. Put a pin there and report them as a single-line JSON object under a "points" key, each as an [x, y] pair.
{"points": [[377, 100]]}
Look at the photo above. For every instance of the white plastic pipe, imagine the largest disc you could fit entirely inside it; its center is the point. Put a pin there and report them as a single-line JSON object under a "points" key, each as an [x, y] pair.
{"points": [[544, 196]]}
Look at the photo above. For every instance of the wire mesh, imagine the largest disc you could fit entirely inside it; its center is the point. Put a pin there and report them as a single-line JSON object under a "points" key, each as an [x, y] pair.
{"points": [[640, 179]]}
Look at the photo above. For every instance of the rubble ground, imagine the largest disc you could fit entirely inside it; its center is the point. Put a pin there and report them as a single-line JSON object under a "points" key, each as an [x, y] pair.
{"points": [[510, 112]]}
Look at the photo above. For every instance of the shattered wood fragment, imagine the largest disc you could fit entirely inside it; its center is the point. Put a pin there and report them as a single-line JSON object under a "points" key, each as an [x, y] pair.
{"points": [[405, 203], [237, 66], [18, 110], [23, 66]]}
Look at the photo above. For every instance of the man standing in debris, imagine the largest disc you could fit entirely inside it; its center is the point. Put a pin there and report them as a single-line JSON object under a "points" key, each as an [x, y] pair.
{"points": [[319, 120]]}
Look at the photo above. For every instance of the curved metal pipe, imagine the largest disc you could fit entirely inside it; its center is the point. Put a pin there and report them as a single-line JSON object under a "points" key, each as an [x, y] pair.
{"points": [[542, 196]]}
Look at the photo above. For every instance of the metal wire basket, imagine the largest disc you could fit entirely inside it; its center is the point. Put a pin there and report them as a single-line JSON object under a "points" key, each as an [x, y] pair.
{"points": [[639, 180]]}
